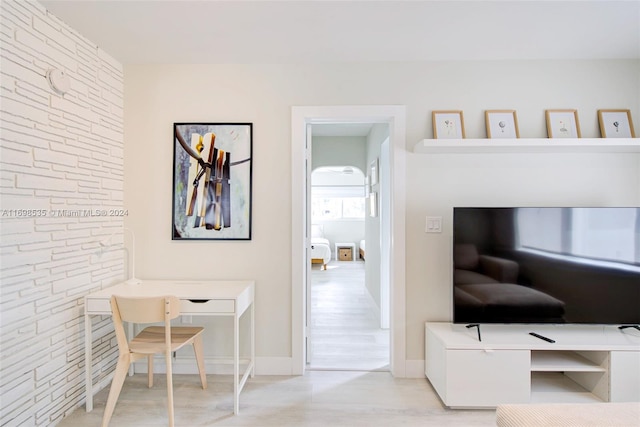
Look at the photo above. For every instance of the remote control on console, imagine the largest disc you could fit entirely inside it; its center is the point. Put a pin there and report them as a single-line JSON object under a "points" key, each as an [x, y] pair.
{"points": [[541, 337]]}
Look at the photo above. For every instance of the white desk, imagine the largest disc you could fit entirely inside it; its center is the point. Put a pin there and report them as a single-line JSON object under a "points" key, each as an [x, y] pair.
{"points": [[211, 298]]}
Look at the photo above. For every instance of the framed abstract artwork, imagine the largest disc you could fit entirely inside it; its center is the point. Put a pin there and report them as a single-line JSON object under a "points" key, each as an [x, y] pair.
{"points": [[212, 175], [615, 124], [502, 124], [562, 124], [448, 124]]}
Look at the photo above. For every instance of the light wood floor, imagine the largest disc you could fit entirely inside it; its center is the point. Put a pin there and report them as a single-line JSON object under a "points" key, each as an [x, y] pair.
{"points": [[316, 399], [345, 321]]}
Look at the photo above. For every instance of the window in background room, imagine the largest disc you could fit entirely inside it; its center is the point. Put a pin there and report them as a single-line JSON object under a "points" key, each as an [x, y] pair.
{"points": [[337, 208], [337, 193]]}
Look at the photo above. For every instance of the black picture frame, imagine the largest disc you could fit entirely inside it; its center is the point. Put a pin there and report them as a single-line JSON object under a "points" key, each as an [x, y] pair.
{"points": [[212, 181]]}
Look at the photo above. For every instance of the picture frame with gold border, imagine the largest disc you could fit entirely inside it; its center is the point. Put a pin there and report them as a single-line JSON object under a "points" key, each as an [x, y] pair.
{"points": [[502, 124], [448, 124], [615, 124], [562, 123]]}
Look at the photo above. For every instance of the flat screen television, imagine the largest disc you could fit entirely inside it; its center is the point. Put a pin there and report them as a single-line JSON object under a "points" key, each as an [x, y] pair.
{"points": [[546, 265]]}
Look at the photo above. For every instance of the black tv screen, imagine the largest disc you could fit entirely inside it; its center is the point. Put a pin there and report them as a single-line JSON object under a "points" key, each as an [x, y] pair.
{"points": [[546, 265]]}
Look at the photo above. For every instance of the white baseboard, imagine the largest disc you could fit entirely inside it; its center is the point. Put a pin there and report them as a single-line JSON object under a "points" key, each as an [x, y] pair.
{"points": [[274, 366], [215, 366], [264, 366]]}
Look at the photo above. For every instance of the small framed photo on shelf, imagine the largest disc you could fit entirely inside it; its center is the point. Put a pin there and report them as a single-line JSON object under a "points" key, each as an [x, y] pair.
{"points": [[502, 124], [562, 124], [615, 124], [448, 124]]}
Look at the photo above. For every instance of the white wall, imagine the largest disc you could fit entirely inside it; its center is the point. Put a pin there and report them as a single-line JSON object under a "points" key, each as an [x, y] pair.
{"points": [[376, 137], [158, 95], [339, 151], [56, 153]]}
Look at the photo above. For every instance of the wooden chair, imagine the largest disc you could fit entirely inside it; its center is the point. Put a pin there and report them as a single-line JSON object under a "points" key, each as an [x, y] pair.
{"points": [[151, 340]]}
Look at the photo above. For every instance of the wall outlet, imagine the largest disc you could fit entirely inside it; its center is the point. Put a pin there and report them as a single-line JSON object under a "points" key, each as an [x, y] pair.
{"points": [[434, 224]]}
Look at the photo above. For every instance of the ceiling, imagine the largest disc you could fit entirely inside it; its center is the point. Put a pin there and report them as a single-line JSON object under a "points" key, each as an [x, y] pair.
{"points": [[305, 31]]}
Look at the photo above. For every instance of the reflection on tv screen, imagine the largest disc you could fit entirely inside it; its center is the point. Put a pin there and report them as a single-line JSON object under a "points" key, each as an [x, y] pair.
{"points": [[546, 265]]}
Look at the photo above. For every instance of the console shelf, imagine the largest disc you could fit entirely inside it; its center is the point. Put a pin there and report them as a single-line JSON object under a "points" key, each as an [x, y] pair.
{"points": [[528, 145], [553, 387], [586, 363], [564, 361]]}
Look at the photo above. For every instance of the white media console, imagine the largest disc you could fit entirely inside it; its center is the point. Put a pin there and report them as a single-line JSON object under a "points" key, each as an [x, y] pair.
{"points": [[586, 363]]}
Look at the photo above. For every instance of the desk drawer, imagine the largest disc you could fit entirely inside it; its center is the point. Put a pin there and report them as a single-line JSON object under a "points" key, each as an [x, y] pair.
{"points": [[204, 306], [98, 306]]}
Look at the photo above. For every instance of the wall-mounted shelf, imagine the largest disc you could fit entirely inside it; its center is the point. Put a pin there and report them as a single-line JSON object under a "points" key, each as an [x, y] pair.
{"points": [[527, 145]]}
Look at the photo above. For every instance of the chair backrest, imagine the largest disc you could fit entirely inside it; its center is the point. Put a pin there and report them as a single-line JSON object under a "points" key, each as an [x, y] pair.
{"points": [[142, 310], [147, 309]]}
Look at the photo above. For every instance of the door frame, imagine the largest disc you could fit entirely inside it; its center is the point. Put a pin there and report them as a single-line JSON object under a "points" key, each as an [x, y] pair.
{"points": [[394, 116], [385, 233]]}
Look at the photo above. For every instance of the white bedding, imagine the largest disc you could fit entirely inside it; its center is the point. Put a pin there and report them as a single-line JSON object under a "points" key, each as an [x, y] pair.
{"points": [[320, 249]]}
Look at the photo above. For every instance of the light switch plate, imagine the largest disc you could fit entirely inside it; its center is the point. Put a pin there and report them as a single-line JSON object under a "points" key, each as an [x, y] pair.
{"points": [[434, 224]]}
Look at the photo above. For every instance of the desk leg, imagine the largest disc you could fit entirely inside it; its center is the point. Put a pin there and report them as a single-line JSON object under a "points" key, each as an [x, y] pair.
{"points": [[88, 363], [253, 339], [236, 363], [130, 332]]}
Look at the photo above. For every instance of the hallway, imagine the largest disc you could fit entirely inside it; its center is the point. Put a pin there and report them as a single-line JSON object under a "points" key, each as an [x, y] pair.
{"points": [[345, 325]]}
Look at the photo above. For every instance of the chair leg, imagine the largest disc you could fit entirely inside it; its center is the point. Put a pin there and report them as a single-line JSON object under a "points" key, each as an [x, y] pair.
{"points": [[150, 370], [169, 388], [122, 369], [199, 351]]}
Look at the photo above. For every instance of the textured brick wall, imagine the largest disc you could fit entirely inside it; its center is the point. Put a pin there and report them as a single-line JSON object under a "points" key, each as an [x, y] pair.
{"points": [[61, 172]]}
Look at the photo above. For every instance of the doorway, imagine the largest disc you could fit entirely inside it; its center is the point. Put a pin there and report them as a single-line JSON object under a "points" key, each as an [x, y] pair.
{"points": [[346, 301], [302, 118]]}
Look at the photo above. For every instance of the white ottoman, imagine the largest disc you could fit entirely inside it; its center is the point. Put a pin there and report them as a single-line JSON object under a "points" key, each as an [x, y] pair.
{"points": [[569, 414]]}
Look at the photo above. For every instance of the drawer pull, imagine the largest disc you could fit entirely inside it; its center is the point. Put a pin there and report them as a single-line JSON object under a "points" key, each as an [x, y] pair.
{"points": [[199, 301]]}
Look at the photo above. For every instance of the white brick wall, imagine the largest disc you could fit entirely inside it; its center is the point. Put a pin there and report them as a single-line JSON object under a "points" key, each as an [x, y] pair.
{"points": [[56, 152]]}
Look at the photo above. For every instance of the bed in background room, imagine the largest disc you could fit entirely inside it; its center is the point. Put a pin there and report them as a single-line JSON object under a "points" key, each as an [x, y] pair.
{"points": [[320, 247], [362, 249]]}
